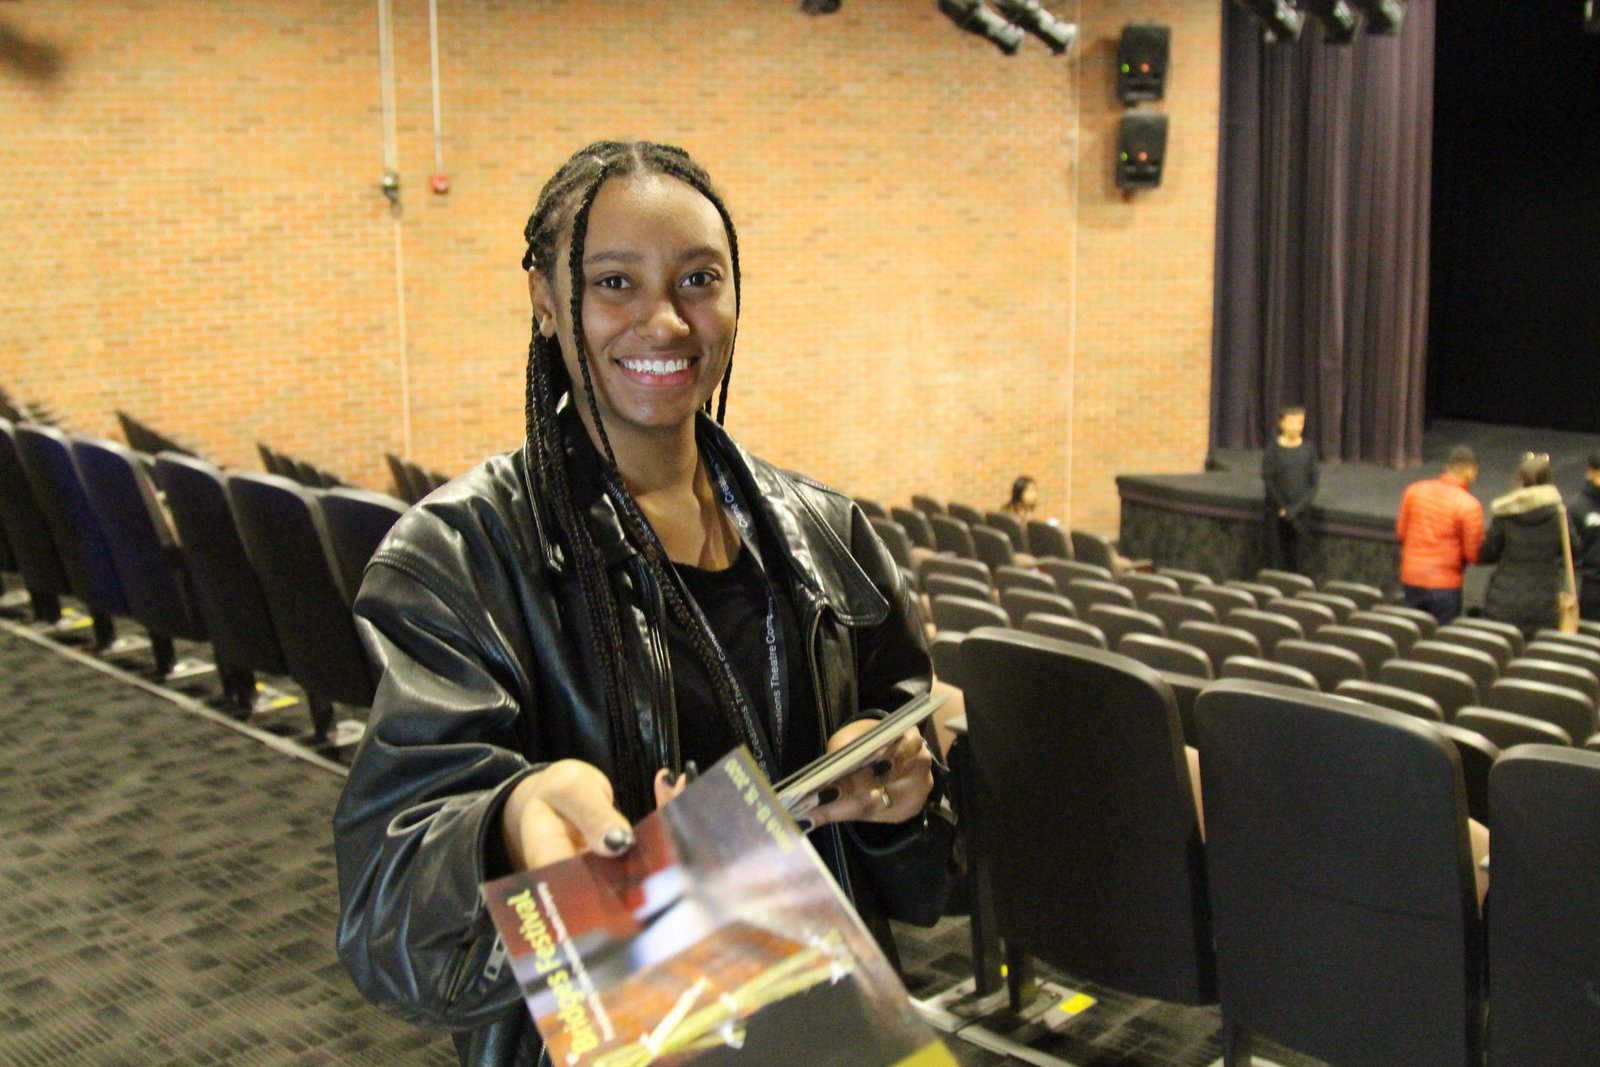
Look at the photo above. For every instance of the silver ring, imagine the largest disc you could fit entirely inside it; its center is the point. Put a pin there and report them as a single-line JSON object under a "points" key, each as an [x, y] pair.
{"points": [[883, 793]]}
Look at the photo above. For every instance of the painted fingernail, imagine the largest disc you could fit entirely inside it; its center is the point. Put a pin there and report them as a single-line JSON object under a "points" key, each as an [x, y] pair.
{"points": [[828, 795], [618, 839], [882, 767], [670, 778], [804, 825], [690, 771]]}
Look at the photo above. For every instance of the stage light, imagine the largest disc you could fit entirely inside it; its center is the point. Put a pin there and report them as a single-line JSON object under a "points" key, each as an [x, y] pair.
{"points": [[1279, 20], [820, 7], [1339, 23], [1383, 16], [1031, 16], [973, 17]]}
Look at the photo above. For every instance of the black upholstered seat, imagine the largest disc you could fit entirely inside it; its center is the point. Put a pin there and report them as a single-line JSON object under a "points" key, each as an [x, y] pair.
{"points": [[1393, 697], [1064, 628], [1478, 755], [1498, 648], [1117, 621], [1009, 525], [1403, 632], [964, 614], [992, 547], [1015, 577], [1089, 547], [357, 521], [46, 455], [1545, 937], [1079, 753], [939, 583], [970, 569], [1085, 593], [283, 533], [1048, 539], [1557, 652], [926, 504], [894, 538], [1365, 597], [1145, 585], [1577, 640], [1020, 603], [1375, 649], [1256, 669], [872, 509], [1263, 593], [1066, 571], [143, 546], [1287, 583], [227, 593], [1311, 616], [1219, 641], [945, 649], [1224, 598], [1268, 626], [1426, 623], [1565, 708], [915, 524], [964, 512], [1339, 858], [1175, 610], [1552, 673], [1188, 581], [953, 536], [28, 533], [1341, 606], [1479, 665], [1510, 631], [1508, 729], [1450, 688], [1329, 664], [1165, 654]]}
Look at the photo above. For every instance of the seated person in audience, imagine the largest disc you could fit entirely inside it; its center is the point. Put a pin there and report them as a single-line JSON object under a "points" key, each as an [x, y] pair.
{"points": [[1525, 539], [522, 716], [1583, 511], [1024, 498], [1289, 472], [1440, 530]]}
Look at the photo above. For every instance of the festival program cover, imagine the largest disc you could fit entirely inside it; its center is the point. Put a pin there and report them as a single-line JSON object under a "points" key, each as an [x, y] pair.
{"points": [[719, 938]]}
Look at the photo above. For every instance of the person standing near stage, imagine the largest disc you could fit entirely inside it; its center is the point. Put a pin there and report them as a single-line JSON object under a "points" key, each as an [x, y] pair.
{"points": [[1583, 508], [1440, 529], [1525, 541], [1289, 470]]}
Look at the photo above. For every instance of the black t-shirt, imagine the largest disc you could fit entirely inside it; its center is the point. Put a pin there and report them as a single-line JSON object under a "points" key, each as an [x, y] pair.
{"points": [[734, 602]]}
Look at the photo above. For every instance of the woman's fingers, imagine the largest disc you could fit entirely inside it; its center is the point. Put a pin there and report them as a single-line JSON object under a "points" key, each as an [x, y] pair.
{"points": [[891, 790], [557, 812]]}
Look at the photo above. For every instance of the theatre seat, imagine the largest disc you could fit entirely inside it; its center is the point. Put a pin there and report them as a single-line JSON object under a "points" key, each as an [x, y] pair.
{"points": [[1507, 729], [157, 584], [964, 513], [1064, 628], [1342, 881], [1224, 599], [1545, 937], [915, 524], [1048, 539], [1565, 708], [1256, 669], [1365, 597], [227, 592], [1188, 581], [1090, 547], [1020, 603], [1014, 577], [1311, 616], [1287, 583], [1218, 641], [894, 538], [970, 569], [992, 547], [1165, 655], [1268, 626], [1562, 674], [357, 521], [1403, 632], [1085, 593], [46, 455], [1496, 646], [953, 536], [1375, 649], [927, 504], [1392, 697], [1426, 623], [1329, 664], [1066, 571], [1450, 689], [282, 530], [869, 507], [1116, 622], [1087, 827], [1146, 585], [938, 583], [1511, 632], [945, 650], [1478, 664], [1174, 610], [28, 533], [1009, 525], [963, 614]]}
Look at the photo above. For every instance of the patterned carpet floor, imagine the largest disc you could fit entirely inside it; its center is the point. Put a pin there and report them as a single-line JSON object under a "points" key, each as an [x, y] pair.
{"points": [[168, 896]]}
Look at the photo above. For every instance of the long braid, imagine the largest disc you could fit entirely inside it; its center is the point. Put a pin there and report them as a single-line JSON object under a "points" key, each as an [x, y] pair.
{"points": [[577, 184]]}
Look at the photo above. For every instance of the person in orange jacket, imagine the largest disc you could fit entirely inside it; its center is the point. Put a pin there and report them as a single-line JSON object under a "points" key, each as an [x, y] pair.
{"points": [[1440, 529]]}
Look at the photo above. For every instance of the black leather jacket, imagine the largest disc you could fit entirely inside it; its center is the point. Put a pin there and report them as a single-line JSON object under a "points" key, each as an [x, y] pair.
{"points": [[469, 606]]}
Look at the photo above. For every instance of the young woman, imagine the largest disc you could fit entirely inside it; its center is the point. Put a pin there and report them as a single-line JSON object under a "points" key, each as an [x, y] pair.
{"points": [[1525, 540], [567, 629], [1289, 471], [1024, 498]]}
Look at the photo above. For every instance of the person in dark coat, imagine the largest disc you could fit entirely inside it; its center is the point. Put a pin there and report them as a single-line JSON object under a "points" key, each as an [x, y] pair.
{"points": [[1289, 471], [1583, 509], [1525, 540]]}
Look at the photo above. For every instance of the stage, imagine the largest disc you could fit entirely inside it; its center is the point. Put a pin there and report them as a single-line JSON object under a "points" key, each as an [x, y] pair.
{"points": [[1211, 521]]}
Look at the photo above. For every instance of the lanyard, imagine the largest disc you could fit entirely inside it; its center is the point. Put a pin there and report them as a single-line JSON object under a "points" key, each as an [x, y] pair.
{"points": [[768, 750]]}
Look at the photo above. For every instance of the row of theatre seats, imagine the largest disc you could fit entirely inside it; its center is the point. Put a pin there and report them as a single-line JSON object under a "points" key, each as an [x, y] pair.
{"points": [[995, 538], [1323, 894], [258, 565]]}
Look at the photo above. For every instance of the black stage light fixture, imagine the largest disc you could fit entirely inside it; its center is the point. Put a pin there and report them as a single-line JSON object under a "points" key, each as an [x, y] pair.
{"points": [[1383, 16], [1279, 20], [820, 7], [1339, 23], [1031, 16], [973, 17]]}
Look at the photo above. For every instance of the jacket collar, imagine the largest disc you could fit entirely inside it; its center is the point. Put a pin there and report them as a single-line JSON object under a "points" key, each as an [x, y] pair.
{"points": [[820, 562], [1530, 498]]}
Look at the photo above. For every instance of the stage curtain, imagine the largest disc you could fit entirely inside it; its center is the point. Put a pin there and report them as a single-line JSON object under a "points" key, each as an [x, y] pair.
{"points": [[1324, 183]]}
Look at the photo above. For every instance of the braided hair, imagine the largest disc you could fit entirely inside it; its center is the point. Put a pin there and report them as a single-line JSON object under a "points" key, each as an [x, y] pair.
{"points": [[565, 202]]}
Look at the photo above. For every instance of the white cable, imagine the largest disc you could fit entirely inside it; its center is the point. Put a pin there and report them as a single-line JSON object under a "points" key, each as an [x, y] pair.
{"points": [[438, 118], [1076, 59]]}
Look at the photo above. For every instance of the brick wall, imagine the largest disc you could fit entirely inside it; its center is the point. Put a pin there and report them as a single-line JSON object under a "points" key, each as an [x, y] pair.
{"points": [[937, 296]]}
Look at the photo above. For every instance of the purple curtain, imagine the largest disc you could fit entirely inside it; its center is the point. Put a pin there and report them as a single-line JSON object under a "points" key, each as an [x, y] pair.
{"points": [[1322, 237]]}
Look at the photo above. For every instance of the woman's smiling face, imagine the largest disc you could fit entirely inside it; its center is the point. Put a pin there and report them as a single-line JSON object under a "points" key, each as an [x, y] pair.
{"points": [[659, 307]]}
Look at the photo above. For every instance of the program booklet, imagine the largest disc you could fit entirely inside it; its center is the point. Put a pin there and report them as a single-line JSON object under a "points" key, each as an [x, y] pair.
{"points": [[719, 938], [798, 792]]}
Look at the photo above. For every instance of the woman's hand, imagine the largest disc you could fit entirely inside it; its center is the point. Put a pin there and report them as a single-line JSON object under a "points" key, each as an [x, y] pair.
{"points": [[893, 789], [560, 811]]}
